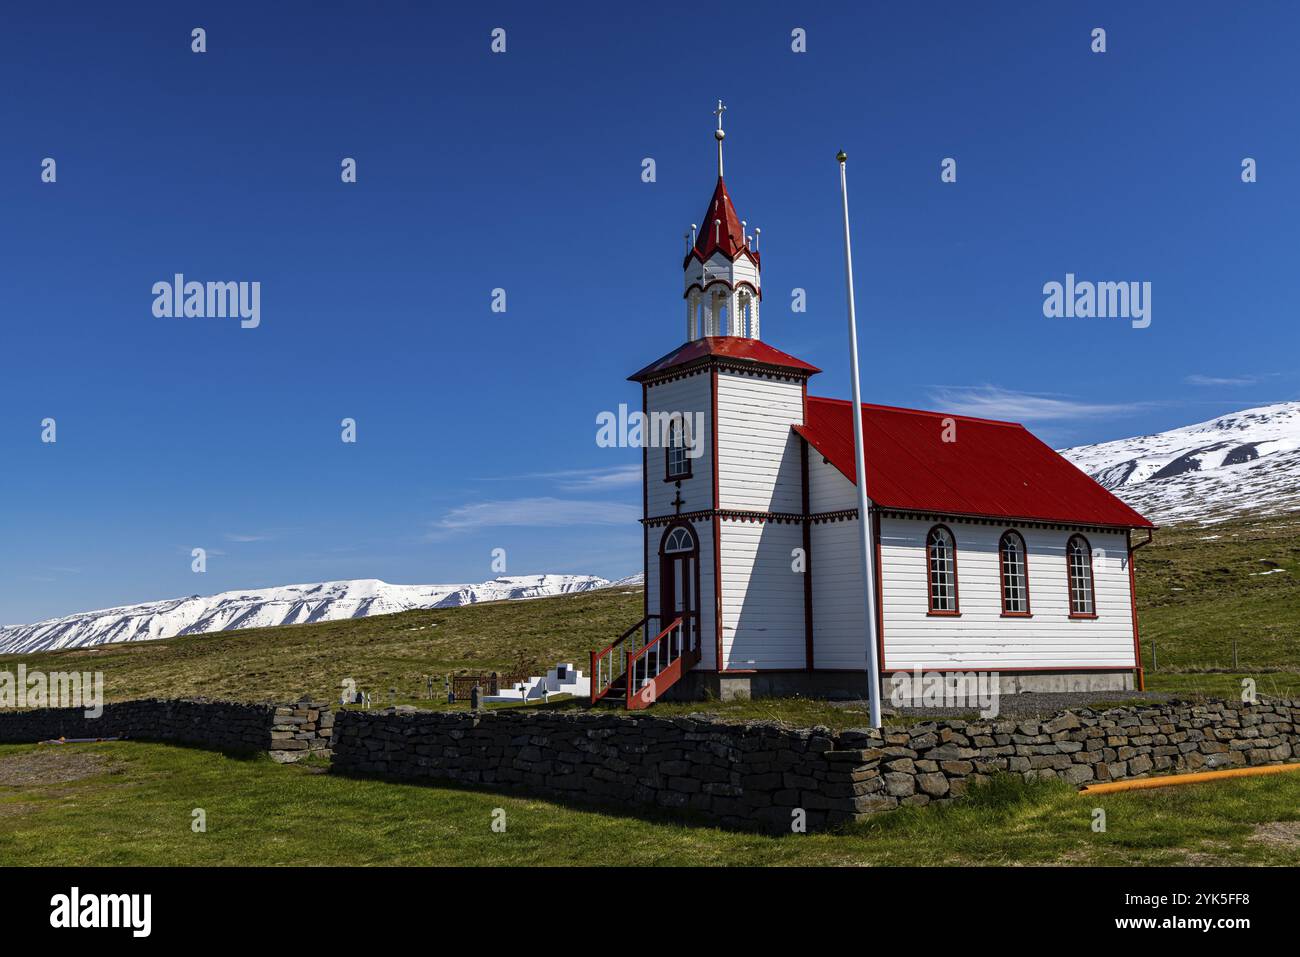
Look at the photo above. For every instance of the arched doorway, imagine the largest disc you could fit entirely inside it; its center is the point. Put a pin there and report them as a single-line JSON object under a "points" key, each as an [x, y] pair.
{"points": [[679, 583]]}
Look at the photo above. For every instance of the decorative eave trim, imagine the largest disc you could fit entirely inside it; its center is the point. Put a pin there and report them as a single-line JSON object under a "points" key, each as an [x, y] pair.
{"points": [[742, 515], [999, 521], [744, 366], [677, 372], [850, 514]]}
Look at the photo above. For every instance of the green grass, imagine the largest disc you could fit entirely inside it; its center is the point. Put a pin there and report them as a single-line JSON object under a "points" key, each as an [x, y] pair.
{"points": [[135, 809], [1200, 589]]}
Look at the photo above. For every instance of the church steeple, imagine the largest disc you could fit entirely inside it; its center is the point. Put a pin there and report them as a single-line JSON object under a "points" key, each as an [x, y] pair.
{"points": [[722, 267]]}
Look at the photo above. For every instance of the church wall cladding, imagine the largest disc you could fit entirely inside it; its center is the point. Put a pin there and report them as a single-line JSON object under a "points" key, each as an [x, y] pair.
{"points": [[762, 596], [981, 638], [690, 397], [287, 732], [751, 775], [838, 611], [758, 454], [760, 775]]}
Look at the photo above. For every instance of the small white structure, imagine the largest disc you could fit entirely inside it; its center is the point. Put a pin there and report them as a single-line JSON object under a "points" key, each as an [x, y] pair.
{"points": [[562, 679]]}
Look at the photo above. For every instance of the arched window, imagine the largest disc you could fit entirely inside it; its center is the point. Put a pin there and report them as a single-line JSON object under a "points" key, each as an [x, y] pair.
{"points": [[1078, 560], [679, 540], [1014, 574], [677, 464], [941, 571]]}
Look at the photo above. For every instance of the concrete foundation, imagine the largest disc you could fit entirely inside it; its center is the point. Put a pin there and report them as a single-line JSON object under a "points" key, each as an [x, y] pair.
{"points": [[1050, 681], [852, 685]]}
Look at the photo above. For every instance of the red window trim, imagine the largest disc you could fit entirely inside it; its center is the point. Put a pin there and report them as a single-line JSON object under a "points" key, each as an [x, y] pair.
{"points": [[1069, 582], [1002, 584], [955, 612]]}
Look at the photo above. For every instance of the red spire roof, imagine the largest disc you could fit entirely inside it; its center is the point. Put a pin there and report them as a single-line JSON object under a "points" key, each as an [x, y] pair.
{"points": [[729, 238], [993, 468], [697, 351]]}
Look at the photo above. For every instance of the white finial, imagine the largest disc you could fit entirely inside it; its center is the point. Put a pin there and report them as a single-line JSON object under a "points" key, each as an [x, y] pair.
{"points": [[758, 234], [717, 230], [718, 134], [693, 228]]}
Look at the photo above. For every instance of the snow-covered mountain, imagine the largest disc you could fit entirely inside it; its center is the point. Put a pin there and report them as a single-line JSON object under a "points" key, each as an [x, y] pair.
{"points": [[1245, 462], [285, 605], [632, 581]]}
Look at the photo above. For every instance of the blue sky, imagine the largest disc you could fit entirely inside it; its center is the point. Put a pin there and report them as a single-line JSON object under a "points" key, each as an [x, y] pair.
{"points": [[522, 170]]}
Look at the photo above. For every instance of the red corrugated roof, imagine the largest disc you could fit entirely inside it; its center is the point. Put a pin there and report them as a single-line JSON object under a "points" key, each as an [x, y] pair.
{"points": [[993, 468], [724, 347]]}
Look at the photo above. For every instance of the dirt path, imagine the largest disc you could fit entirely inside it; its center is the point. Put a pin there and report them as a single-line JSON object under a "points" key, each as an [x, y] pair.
{"points": [[50, 764]]}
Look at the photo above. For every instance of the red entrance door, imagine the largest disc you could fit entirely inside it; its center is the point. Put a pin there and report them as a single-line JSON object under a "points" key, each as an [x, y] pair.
{"points": [[678, 591]]}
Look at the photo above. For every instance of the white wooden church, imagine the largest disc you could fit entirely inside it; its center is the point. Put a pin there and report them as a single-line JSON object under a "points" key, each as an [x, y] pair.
{"points": [[993, 553]]}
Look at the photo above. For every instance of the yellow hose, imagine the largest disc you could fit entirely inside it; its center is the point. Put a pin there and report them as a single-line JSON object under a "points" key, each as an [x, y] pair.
{"points": [[1170, 780]]}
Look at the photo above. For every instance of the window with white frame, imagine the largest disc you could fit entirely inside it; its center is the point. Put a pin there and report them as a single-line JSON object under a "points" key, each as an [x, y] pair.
{"points": [[1078, 556], [941, 570]]}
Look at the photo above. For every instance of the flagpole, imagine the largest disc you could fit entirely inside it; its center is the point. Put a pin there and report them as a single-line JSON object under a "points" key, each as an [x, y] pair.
{"points": [[859, 461]]}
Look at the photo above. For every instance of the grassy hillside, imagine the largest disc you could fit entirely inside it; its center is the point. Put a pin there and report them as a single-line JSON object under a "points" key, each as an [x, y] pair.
{"points": [[1199, 589], [386, 651]]}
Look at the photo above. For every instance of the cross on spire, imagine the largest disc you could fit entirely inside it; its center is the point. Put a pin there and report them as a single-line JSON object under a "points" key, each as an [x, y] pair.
{"points": [[719, 134]]}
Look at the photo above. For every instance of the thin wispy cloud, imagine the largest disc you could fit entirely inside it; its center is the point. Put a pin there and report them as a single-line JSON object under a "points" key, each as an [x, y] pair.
{"points": [[538, 512], [993, 402], [1210, 380], [579, 480], [582, 480], [242, 539]]}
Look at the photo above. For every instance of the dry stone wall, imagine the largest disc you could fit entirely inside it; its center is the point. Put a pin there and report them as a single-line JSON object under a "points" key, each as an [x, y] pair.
{"points": [[760, 774], [287, 732], [748, 775]]}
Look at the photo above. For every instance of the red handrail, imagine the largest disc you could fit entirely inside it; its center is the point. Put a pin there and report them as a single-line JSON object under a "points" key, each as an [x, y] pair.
{"points": [[664, 656], [603, 670]]}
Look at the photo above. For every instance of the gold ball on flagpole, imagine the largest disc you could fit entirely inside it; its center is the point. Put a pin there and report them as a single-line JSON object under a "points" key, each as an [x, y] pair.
{"points": [[841, 156]]}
